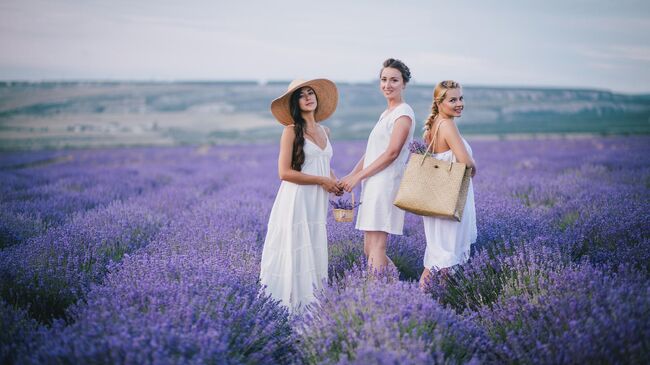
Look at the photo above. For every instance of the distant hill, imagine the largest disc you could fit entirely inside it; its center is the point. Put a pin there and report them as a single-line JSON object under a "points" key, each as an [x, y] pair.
{"points": [[74, 114]]}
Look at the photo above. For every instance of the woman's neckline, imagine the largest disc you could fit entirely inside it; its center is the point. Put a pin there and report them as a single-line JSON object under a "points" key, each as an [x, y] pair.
{"points": [[390, 110], [320, 127], [316, 144]]}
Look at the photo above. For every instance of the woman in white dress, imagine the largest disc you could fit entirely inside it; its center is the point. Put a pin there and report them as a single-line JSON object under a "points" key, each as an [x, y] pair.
{"points": [[448, 241], [381, 168], [294, 257]]}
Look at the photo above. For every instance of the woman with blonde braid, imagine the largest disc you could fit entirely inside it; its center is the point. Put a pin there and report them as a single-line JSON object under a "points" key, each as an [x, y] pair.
{"points": [[448, 241]]}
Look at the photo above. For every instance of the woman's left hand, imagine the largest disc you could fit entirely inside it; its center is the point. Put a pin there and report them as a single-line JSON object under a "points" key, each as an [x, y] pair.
{"points": [[350, 181]]}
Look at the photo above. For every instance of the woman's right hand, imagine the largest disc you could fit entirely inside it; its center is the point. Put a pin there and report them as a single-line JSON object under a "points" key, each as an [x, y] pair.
{"points": [[349, 182], [330, 185]]}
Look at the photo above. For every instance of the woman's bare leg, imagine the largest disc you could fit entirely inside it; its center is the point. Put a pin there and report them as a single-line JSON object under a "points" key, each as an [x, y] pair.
{"points": [[375, 242], [424, 279]]}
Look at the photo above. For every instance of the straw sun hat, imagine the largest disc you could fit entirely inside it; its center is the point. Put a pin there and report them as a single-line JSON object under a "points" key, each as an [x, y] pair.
{"points": [[326, 94]]}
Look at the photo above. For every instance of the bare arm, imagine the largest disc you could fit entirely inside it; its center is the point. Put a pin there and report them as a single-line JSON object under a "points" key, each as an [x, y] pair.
{"points": [[288, 174], [451, 134], [327, 131], [332, 173], [397, 139], [358, 166]]}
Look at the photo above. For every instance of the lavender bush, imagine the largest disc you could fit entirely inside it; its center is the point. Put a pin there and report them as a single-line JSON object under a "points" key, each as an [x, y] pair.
{"points": [[45, 193], [363, 314], [575, 315], [191, 297], [19, 335], [54, 270]]}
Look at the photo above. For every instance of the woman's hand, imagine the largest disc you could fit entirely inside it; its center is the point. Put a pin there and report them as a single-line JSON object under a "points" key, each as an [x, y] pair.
{"points": [[350, 181], [340, 186], [330, 185], [472, 168]]}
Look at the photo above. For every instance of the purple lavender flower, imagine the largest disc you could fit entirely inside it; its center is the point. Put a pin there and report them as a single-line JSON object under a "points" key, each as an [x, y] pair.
{"points": [[341, 203], [20, 334], [417, 146], [362, 314]]}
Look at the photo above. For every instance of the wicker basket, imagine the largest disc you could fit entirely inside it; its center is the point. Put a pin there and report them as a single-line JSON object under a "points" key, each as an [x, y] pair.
{"points": [[344, 215]]}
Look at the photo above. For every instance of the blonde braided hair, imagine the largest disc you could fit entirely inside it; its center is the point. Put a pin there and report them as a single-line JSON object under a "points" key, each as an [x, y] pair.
{"points": [[438, 96]]}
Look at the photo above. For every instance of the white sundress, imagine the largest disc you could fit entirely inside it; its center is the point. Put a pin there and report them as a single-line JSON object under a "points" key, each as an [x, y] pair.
{"points": [[294, 257], [448, 241], [377, 212]]}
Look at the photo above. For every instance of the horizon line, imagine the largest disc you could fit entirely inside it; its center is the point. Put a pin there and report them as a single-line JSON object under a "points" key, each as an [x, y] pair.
{"points": [[5, 82]]}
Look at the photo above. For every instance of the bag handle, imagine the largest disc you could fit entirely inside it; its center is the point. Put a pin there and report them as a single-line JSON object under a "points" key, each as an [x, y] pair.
{"points": [[432, 145]]}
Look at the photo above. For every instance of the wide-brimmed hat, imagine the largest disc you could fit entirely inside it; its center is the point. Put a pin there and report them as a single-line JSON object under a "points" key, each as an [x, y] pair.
{"points": [[326, 93]]}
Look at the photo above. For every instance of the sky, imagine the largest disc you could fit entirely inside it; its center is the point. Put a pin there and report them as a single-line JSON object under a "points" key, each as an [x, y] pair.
{"points": [[573, 43]]}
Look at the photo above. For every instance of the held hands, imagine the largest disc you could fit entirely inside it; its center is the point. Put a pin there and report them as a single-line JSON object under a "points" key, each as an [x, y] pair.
{"points": [[331, 186], [349, 182]]}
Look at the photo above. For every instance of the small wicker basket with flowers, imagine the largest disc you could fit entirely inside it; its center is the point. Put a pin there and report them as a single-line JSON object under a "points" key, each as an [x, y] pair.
{"points": [[343, 209]]}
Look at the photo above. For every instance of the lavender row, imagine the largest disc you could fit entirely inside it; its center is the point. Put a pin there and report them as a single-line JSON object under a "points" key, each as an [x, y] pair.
{"points": [[51, 271], [54, 270], [47, 192], [191, 296], [50, 193], [538, 306]]}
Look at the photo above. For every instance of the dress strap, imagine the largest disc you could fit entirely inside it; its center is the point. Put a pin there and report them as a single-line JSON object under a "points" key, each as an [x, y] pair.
{"points": [[327, 138]]}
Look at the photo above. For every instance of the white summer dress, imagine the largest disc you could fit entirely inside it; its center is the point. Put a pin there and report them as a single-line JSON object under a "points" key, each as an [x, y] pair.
{"points": [[377, 212], [448, 241], [294, 258]]}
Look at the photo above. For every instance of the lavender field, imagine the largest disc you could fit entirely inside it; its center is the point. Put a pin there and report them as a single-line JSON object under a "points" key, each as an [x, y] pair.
{"points": [[151, 256]]}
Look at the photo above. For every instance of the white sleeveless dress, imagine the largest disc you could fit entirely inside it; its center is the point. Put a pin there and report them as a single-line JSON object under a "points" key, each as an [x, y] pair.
{"points": [[377, 212], [448, 241], [294, 258]]}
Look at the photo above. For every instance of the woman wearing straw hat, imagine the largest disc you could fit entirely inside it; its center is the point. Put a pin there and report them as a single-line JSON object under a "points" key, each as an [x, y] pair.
{"points": [[294, 258], [382, 166]]}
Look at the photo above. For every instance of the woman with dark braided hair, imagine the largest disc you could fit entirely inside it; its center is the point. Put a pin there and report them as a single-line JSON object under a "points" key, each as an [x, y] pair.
{"points": [[448, 242], [294, 258]]}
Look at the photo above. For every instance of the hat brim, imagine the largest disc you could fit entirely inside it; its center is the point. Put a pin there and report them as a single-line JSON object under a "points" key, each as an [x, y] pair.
{"points": [[326, 93]]}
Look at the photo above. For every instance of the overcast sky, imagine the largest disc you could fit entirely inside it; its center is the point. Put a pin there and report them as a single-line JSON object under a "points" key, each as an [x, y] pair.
{"points": [[573, 43]]}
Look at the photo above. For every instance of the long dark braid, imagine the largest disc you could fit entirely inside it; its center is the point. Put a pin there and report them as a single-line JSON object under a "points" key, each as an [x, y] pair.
{"points": [[297, 153]]}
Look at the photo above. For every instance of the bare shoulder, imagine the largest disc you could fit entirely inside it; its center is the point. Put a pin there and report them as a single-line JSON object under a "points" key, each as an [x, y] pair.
{"points": [[289, 129], [327, 130], [448, 127], [289, 133]]}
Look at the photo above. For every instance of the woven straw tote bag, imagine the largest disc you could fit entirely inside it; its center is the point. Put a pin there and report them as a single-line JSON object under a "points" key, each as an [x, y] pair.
{"points": [[432, 187]]}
